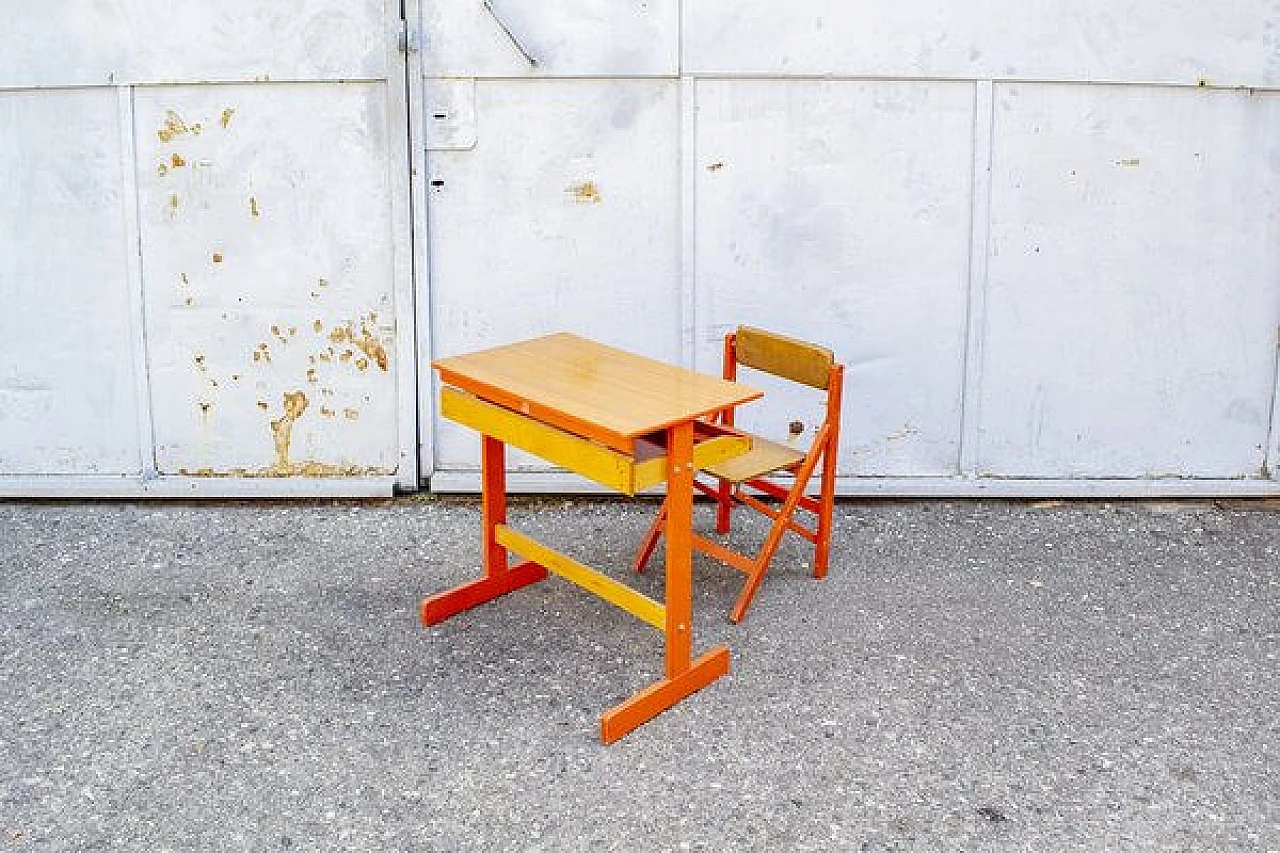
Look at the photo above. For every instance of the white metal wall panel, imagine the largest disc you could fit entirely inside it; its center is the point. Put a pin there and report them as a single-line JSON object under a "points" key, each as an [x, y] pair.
{"points": [[566, 38], [267, 257], [85, 42], [1226, 42], [1134, 283], [67, 403], [839, 212], [562, 217]]}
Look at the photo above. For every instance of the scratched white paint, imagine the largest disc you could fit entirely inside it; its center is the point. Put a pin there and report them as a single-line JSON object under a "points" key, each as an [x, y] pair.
{"points": [[85, 42], [598, 38], [265, 227], [828, 211], [1134, 292], [1227, 42], [1139, 341], [67, 402], [560, 217]]}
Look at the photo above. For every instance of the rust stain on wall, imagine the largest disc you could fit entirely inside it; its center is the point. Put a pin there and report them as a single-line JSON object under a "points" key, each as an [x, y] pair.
{"points": [[176, 161], [365, 341], [217, 257], [225, 120], [295, 404], [586, 193], [173, 127]]}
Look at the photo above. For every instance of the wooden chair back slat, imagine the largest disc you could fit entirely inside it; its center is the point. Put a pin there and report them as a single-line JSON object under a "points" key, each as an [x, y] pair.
{"points": [[785, 357]]}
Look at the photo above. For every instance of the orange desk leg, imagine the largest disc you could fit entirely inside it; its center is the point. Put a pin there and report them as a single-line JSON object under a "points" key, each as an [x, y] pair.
{"points": [[498, 578], [683, 675]]}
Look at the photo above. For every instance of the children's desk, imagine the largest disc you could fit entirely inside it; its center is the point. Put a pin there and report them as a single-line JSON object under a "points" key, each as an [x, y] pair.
{"points": [[622, 420]]}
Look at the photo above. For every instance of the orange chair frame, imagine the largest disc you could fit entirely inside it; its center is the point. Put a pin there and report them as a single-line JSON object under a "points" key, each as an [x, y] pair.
{"points": [[726, 494]]}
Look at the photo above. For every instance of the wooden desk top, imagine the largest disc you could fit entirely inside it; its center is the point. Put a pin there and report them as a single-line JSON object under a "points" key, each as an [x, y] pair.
{"points": [[591, 389]]}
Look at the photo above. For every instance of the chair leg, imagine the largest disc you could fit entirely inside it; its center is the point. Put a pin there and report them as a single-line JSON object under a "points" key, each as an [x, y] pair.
{"points": [[826, 507], [724, 504], [772, 541], [650, 540]]}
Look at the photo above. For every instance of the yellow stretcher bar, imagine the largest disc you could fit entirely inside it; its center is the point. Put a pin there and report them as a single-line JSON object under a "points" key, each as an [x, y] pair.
{"points": [[640, 606]]}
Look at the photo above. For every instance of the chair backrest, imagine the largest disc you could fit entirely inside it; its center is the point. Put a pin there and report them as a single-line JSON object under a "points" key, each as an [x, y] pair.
{"points": [[802, 362]]}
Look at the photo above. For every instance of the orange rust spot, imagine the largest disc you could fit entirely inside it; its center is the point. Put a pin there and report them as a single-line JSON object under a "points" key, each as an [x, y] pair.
{"points": [[225, 120], [346, 355], [318, 326], [173, 127], [217, 257], [295, 404], [350, 414], [177, 161], [324, 356], [362, 364], [586, 193], [365, 342]]}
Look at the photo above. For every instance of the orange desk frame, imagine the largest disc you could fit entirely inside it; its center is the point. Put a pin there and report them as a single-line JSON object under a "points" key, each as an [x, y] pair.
{"points": [[684, 674]]}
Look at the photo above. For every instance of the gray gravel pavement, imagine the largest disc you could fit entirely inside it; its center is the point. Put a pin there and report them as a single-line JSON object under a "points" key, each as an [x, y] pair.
{"points": [[975, 676]]}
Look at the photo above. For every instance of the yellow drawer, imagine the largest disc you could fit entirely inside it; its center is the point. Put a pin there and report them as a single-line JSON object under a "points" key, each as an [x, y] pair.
{"points": [[618, 471]]}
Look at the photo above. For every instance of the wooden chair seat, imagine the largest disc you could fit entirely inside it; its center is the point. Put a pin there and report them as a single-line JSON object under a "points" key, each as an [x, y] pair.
{"points": [[765, 457]]}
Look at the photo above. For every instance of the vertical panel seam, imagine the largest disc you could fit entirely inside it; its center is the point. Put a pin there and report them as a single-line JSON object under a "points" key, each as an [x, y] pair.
{"points": [[979, 250], [135, 272], [1269, 453], [687, 309], [399, 156]]}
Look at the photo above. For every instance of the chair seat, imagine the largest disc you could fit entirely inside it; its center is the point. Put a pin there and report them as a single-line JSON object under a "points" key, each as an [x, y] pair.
{"points": [[764, 457]]}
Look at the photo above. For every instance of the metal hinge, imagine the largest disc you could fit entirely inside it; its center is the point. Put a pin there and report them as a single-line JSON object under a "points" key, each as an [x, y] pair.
{"points": [[408, 39]]}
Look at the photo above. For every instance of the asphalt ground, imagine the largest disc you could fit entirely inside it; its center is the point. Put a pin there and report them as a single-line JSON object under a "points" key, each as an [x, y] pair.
{"points": [[973, 676]]}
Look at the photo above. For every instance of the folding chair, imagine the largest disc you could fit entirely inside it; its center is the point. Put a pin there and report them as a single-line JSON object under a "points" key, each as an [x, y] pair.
{"points": [[796, 361]]}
